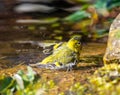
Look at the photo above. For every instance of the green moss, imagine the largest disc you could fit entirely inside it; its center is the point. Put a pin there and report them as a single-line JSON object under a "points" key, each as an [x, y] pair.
{"points": [[117, 34]]}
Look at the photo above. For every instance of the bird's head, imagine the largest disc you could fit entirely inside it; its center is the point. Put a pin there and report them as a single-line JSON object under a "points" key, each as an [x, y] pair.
{"points": [[75, 44]]}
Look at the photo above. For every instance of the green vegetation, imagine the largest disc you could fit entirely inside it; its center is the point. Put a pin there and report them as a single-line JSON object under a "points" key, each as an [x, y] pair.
{"points": [[23, 83], [117, 33], [93, 18], [105, 81]]}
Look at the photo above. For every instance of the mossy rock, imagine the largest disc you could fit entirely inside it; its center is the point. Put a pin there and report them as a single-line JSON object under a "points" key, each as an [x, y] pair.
{"points": [[105, 80], [112, 54]]}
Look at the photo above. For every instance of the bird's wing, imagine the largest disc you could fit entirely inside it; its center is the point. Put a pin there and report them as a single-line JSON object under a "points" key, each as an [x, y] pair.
{"points": [[49, 50]]}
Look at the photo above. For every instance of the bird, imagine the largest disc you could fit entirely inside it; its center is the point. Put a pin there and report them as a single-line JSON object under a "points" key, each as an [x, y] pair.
{"points": [[64, 55]]}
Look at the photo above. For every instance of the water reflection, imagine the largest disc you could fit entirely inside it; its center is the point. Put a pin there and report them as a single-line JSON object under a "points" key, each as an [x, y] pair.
{"points": [[12, 53]]}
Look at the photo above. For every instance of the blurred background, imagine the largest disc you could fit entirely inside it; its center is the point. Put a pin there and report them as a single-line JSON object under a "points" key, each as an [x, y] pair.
{"points": [[28, 25], [57, 19]]}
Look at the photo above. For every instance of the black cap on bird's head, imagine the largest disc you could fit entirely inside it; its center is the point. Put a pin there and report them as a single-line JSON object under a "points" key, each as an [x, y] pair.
{"points": [[77, 38]]}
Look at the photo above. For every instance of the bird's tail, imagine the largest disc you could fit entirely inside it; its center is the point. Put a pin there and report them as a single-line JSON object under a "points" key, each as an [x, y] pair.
{"points": [[46, 66], [67, 67], [34, 65]]}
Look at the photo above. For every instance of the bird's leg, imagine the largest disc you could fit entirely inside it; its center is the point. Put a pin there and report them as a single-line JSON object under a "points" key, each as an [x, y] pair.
{"points": [[69, 68], [70, 65]]}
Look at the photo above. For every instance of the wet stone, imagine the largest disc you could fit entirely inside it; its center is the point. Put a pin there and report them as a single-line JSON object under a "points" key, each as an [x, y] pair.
{"points": [[112, 54]]}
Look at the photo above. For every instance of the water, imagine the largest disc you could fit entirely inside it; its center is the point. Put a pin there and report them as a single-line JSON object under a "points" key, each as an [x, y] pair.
{"points": [[20, 47], [14, 53]]}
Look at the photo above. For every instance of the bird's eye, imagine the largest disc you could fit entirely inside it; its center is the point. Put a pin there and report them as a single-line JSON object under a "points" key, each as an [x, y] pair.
{"points": [[79, 42]]}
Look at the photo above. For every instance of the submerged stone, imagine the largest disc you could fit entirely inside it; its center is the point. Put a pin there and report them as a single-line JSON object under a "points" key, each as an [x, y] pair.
{"points": [[112, 54]]}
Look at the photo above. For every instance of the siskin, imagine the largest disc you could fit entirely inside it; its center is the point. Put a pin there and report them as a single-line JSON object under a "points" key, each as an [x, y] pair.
{"points": [[64, 56]]}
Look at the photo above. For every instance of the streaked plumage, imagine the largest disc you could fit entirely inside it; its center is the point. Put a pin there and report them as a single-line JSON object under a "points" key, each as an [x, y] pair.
{"points": [[64, 56]]}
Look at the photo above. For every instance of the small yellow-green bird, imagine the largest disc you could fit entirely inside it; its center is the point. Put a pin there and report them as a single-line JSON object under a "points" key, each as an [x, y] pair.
{"points": [[64, 56]]}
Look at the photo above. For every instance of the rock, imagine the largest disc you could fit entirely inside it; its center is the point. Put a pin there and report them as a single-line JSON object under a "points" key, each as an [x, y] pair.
{"points": [[112, 54]]}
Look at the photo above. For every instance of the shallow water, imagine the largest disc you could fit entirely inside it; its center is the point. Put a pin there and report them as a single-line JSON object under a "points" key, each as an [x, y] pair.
{"points": [[21, 46], [20, 52], [16, 56], [13, 53]]}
